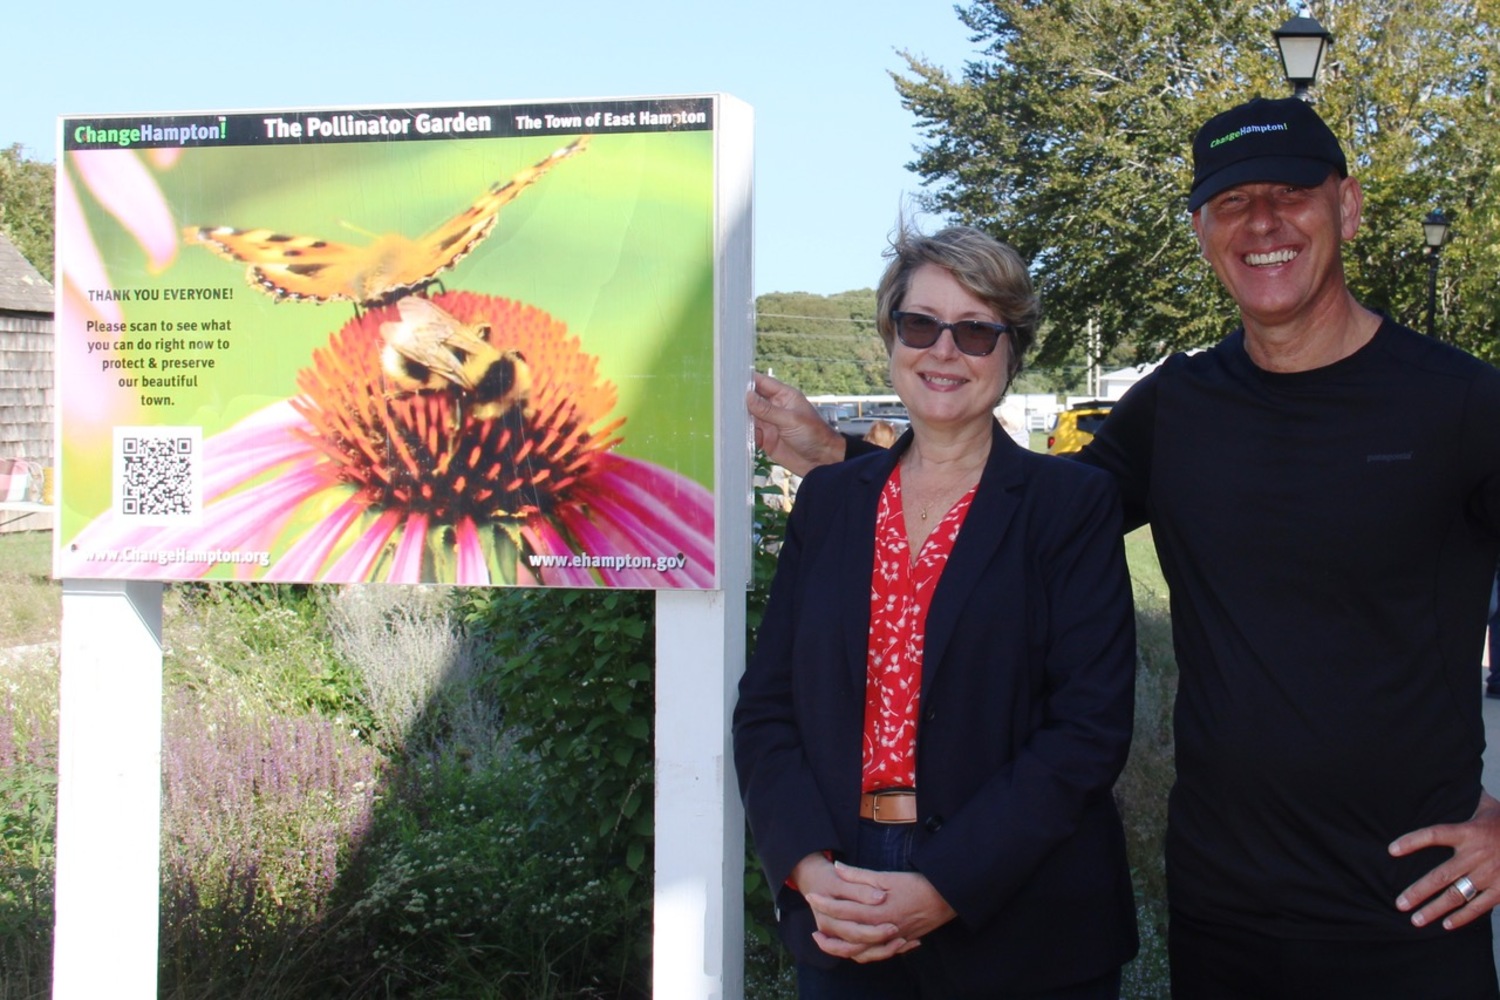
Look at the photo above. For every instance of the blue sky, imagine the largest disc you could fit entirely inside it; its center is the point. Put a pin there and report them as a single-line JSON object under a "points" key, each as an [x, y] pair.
{"points": [[832, 140]]}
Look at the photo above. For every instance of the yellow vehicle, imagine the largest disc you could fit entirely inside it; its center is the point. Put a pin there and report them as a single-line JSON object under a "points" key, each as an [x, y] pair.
{"points": [[1076, 426]]}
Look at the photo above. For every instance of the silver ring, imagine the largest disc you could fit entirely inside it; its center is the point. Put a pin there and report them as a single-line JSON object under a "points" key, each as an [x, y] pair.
{"points": [[1465, 888]]}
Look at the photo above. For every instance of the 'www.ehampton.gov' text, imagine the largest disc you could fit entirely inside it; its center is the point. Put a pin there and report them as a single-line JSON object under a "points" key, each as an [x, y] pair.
{"points": [[585, 561]]}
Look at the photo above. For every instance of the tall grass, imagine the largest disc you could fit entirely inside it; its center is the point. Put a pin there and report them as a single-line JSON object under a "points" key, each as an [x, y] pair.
{"points": [[30, 601], [30, 609], [268, 787], [1141, 791]]}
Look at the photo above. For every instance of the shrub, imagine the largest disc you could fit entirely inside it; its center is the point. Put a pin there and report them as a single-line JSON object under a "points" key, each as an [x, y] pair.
{"points": [[478, 884], [573, 673], [414, 662], [268, 642]]}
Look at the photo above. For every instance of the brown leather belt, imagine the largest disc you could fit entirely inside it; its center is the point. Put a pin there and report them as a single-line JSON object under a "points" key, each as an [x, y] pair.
{"points": [[894, 806]]}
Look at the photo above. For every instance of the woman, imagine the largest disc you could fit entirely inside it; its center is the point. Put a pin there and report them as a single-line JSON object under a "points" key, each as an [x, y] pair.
{"points": [[940, 698]]}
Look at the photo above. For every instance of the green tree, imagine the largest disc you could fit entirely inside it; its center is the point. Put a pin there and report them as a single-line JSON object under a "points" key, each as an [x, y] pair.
{"points": [[26, 196], [1071, 137], [821, 343]]}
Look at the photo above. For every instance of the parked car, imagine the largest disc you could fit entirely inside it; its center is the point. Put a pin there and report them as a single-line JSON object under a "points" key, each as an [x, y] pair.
{"points": [[833, 413], [1076, 426]]}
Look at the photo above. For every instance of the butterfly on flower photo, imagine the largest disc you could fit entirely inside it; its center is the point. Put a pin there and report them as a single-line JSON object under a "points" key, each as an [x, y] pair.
{"points": [[347, 482], [430, 350], [305, 268]]}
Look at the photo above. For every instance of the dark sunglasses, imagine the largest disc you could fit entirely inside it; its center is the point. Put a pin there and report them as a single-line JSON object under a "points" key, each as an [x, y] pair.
{"points": [[921, 331]]}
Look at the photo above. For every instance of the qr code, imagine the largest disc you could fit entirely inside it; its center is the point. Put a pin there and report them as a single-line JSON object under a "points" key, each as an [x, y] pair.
{"points": [[158, 474]]}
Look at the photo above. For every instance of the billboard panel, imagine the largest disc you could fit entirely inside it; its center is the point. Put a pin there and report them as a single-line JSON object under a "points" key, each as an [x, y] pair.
{"points": [[460, 344]]}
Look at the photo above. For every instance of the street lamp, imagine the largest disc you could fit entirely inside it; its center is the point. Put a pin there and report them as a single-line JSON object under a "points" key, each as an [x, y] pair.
{"points": [[1435, 234], [1301, 41]]}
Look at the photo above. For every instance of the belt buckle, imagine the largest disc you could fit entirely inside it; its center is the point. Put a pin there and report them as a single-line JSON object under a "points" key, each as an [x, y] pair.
{"points": [[904, 815]]}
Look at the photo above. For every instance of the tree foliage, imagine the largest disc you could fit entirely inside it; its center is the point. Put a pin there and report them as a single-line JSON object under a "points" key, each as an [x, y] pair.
{"points": [[821, 343], [26, 195], [573, 673], [1070, 136]]}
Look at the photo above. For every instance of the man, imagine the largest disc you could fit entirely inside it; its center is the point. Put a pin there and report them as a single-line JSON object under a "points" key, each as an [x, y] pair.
{"points": [[1323, 488]]}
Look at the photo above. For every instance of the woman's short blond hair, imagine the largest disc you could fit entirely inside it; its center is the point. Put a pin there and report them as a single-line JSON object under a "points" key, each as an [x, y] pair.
{"points": [[988, 269]]}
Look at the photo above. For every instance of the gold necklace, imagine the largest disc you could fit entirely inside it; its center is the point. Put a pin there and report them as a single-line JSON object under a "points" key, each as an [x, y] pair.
{"points": [[926, 507], [938, 495]]}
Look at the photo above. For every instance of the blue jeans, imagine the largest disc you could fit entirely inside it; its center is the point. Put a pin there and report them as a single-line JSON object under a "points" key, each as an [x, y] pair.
{"points": [[914, 976]]}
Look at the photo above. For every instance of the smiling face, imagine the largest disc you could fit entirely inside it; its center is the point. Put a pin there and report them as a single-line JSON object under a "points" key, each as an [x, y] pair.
{"points": [[1276, 248], [940, 385]]}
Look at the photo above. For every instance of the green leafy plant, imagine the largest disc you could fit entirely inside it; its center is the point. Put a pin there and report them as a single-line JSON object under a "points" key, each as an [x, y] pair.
{"points": [[270, 641], [28, 863], [572, 671]]}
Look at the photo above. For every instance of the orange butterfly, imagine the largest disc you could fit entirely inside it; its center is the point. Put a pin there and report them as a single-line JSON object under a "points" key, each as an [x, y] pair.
{"points": [[304, 268]]}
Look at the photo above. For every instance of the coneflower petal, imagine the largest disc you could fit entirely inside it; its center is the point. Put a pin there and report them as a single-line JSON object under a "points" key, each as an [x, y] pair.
{"points": [[306, 557], [358, 562], [472, 570]]}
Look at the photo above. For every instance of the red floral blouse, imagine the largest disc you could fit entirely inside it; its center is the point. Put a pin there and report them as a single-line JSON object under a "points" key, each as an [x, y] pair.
{"points": [[900, 592]]}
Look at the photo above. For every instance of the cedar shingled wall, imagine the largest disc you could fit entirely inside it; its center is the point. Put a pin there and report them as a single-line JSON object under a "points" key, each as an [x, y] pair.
{"points": [[27, 362], [26, 365]]}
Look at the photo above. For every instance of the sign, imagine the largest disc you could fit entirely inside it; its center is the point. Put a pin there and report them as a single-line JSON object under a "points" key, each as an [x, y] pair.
{"points": [[468, 344]]}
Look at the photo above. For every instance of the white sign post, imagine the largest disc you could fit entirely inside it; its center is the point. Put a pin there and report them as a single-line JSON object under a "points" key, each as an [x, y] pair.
{"points": [[108, 791], [698, 946]]}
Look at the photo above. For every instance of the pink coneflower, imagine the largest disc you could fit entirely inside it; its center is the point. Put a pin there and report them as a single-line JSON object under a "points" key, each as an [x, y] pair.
{"points": [[358, 478]]}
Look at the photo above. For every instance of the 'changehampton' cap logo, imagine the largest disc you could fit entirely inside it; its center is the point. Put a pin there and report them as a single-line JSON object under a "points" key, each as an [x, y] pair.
{"points": [[1237, 133]]}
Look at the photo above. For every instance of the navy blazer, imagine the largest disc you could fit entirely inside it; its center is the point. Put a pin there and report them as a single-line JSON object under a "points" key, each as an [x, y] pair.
{"points": [[1025, 716]]}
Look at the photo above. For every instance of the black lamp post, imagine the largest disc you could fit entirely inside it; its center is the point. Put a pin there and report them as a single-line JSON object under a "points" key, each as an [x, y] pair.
{"points": [[1301, 42], [1435, 234]]}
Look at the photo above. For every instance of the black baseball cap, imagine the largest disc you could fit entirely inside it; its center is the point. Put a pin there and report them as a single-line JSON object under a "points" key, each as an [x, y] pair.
{"points": [[1263, 141]]}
